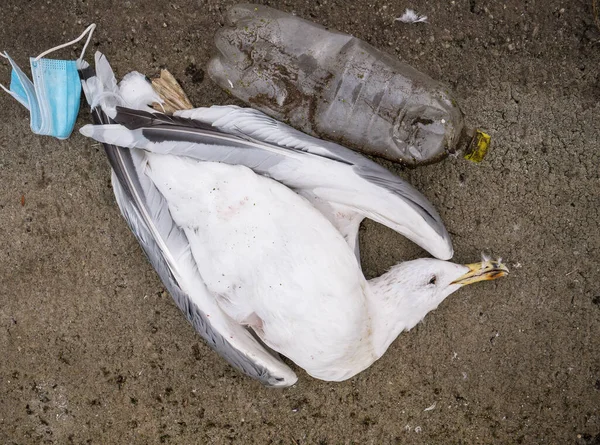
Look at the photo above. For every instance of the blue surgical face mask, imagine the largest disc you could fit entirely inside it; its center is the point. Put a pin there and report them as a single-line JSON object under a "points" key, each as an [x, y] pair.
{"points": [[53, 97]]}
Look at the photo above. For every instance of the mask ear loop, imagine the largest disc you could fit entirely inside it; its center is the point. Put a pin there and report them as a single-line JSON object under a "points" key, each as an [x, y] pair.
{"points": [[89, 29], [2, 86]]}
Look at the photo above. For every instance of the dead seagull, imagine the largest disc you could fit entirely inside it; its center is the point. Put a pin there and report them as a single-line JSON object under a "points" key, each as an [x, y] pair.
{"points": [[256, 240]]}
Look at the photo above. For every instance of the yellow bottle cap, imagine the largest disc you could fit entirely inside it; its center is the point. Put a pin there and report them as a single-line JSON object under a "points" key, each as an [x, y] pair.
{"points": [[478, 147]]}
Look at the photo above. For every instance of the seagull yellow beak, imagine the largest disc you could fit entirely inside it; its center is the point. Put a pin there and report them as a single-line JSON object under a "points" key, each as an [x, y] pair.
{"points": [[483, 271]]}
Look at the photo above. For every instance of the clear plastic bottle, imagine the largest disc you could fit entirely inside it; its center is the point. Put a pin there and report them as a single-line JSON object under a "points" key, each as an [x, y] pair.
{"points": [[337, 87]]}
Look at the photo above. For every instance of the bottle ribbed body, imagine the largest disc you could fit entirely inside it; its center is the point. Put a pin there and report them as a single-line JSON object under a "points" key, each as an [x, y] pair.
{"points": [[334, 86]]}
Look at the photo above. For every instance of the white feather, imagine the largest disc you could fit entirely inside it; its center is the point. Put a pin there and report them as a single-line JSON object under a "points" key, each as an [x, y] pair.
{"points": [[411, 16], [137, 91]]}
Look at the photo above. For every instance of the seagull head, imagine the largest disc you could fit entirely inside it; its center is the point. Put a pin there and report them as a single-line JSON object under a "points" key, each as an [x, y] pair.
{"points": [[426, 282], [412, 289]]}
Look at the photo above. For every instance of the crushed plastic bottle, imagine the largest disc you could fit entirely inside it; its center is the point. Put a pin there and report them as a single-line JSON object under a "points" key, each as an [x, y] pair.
{"points": [[337, 87]]}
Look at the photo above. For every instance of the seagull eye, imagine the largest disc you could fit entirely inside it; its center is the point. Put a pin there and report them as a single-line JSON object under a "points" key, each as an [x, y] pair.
{"points": [[432, 280]]}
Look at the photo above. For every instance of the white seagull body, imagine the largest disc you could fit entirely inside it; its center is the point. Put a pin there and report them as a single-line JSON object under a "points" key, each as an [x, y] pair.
{"points": [[273, 263], [238, 249]]}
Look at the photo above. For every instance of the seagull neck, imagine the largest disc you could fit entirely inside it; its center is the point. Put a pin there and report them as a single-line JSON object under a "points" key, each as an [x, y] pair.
{"points": [[394, 309]]}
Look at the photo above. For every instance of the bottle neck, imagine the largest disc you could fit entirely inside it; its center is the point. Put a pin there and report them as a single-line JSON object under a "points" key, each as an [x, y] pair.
{"points": [[465, 139]]}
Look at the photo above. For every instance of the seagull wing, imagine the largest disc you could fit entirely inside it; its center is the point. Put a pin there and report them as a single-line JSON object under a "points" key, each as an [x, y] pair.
{"points": [[314, 168], [167, 249]]}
